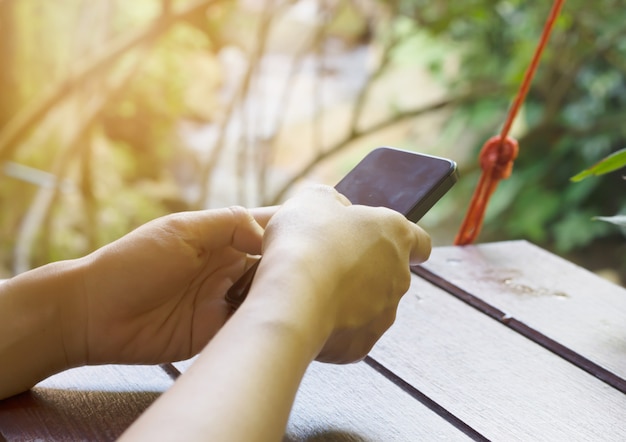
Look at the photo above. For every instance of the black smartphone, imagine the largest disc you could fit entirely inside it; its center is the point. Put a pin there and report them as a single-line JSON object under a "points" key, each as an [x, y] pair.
{"points": [[408, 182]]}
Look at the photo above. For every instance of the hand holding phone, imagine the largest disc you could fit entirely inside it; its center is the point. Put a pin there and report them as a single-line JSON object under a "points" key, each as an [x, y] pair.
{"points": [[408, 182]]}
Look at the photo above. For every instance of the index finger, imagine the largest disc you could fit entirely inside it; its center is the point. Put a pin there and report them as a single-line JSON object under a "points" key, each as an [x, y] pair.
{"points": [[421, 245], [215, 228]]}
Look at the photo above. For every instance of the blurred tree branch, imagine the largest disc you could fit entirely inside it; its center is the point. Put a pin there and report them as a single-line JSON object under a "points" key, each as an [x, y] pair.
{"points": [[268, 152], [21, 125], [40, 209], [206, 172], [356, 133]]}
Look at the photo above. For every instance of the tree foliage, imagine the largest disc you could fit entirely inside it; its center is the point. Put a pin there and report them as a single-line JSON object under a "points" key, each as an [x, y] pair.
{"points": [[100, 99], [573, 116]]}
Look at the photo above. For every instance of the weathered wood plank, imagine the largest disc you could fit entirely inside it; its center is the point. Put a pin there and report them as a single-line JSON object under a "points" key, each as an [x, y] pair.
{"points": [[353, 403], [86, 404], [501, 384], [559, 299]]}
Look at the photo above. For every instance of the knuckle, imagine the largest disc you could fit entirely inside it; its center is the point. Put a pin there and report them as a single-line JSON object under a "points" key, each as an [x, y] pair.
{"points": [[239, 212], [241, 215], [172, 222], [320, 189]]}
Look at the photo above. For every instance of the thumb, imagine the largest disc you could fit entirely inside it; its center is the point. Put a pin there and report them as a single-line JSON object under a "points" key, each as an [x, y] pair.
{"points": [[248, 233], [229, 227]]}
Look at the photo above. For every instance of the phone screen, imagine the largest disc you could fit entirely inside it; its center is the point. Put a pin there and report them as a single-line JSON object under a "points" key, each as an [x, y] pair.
{"points": [[407, 182]]}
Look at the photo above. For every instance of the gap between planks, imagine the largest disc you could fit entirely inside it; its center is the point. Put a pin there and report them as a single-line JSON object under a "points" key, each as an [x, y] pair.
{"points": [[521, 328]]}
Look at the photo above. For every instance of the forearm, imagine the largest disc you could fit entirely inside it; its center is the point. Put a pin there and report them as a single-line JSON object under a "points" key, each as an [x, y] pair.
{"points": [[243, 384], [32, 344], [241, 387]]}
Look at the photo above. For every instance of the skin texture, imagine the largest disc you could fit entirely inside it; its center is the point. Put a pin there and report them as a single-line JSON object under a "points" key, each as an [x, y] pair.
{"points": [[328, 286]]}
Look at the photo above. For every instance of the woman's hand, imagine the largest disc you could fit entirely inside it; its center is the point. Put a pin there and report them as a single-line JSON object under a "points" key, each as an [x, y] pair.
{"points": [[157, 294], [154, 295], [354, 258], [328, 286]]}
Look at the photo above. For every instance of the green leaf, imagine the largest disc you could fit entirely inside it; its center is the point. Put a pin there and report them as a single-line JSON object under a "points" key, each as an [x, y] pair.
{"points": [[619, 220], [611, 163], [574, 231]]}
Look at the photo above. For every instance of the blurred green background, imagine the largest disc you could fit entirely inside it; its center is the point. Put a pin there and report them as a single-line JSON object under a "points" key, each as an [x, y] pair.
{"points": [[114, 112]]}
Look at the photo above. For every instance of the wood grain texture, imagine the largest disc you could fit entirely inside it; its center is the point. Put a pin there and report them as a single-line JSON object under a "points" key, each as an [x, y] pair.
{"points": [[561, 300], [82, 404], [498, 382], [353, 403]]}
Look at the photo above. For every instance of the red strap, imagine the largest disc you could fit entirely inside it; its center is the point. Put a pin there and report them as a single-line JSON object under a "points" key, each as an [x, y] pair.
{"points": [[496, 160], [499, 152]]}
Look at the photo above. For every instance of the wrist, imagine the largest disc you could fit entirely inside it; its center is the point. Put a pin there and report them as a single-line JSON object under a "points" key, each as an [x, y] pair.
{"points": [[71, 310], [292, 295], [39, 335]]}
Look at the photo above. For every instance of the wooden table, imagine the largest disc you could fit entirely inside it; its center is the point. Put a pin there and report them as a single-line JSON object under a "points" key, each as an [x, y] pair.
{"points": [[499, 341]]}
